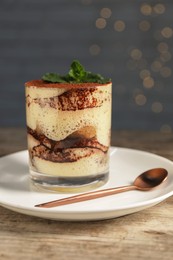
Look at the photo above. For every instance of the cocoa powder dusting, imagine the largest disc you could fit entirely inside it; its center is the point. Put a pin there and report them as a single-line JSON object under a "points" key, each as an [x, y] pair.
{"points": [[71, 100], [42, 84]]}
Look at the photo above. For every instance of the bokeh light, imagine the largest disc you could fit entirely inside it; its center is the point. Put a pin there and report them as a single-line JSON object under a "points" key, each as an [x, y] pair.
{"points": [[94, 49], [146, 9], [157, 107], [119, 26], [144, 74], [156, 65], [105, 12], [140, 99], [162, 47], [159, 8], [165, 56], [100, 23], [148, 82], [166, 72], [144, 25], [167, 32], [136, 54]]}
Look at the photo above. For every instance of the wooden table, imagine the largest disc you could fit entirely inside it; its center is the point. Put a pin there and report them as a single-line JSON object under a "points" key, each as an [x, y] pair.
{"points": [[143, 235]]}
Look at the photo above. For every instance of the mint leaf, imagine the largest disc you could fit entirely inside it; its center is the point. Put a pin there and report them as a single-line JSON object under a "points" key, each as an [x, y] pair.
{"points": [[76, 74], [77, 71], [96, 78], [53, 77]]}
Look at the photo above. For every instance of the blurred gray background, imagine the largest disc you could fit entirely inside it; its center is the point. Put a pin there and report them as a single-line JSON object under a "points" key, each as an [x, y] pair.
{"points": [[128, 40]]}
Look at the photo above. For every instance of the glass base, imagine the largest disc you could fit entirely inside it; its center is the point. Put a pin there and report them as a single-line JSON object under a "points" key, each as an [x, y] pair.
{"points": [[42, 182]]}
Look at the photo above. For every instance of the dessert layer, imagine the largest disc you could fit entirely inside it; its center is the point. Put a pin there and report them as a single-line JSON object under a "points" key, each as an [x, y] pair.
{"points": [[95, 164], [60, 112], [74, 99], [70, 149], [74, 156], [64, 155]]}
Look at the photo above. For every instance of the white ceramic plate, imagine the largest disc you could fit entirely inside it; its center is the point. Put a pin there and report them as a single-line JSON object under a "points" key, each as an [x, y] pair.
{"points": [[125, 165]]}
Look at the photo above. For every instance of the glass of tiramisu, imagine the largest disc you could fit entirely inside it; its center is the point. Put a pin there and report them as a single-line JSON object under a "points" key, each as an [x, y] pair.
{"points": [[68, 127]]}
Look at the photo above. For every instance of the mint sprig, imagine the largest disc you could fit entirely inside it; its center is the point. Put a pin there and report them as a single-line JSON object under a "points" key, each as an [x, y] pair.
{"points": [[76, 74], [53, 77]]}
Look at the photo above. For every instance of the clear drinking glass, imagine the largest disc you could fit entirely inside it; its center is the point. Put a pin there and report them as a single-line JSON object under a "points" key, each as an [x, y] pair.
{"points": [[68, 129]]}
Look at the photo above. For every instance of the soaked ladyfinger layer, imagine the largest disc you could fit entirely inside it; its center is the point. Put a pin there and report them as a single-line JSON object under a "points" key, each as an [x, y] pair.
{"points": [[55, 158]]}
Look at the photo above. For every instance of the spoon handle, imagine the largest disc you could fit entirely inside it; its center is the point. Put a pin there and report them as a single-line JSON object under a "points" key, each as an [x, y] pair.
{"points": [[85, 196]]}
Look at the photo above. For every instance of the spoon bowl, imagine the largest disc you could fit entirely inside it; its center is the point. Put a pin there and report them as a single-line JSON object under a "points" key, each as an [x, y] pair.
{"points": [[150, 179], [144, 182]]}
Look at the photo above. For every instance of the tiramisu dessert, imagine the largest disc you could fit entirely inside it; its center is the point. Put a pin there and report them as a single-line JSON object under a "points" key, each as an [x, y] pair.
{"points": [[68, 126]]}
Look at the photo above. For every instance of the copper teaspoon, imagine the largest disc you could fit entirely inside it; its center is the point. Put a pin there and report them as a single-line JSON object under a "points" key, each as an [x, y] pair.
{"points": [[144, 182]]}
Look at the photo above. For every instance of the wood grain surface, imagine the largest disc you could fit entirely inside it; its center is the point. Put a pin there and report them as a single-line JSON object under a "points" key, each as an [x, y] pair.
{"points": [[143, 235]]}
